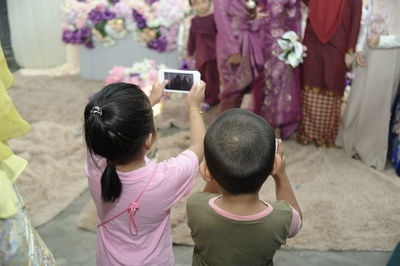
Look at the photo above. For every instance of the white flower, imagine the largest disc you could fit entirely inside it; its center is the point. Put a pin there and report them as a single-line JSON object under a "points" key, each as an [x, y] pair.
{"points": [[154, 23], [284, 44], [291, 36]]}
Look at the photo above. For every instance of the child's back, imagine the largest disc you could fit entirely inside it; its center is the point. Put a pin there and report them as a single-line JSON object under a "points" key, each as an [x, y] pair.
{"points": [[237, 228], [223, 238], [169, 182]]}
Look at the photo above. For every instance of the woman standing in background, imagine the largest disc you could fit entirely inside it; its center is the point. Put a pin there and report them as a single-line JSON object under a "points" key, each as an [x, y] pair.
{"points": [[365, 129], [330, 37], [279, 100]]}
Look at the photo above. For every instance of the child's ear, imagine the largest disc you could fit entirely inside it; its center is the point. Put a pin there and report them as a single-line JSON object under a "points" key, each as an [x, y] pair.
{"points": [[205, 173], [149, 141], [277, 164]]}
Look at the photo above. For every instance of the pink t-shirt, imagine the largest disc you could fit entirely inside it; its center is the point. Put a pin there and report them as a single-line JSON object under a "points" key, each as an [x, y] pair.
{"points": [[152, 245]]}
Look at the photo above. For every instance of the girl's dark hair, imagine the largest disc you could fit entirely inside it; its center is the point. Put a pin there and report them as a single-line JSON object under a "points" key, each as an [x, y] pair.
{"points": [[118, 119]]}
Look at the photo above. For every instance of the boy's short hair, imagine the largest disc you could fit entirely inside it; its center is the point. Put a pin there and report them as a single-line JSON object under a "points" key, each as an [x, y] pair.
{"points": [[239, 149]]}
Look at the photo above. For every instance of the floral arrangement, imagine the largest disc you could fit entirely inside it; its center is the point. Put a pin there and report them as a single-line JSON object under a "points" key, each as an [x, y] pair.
{"points": [[378, 25], [293, 50], [143, 74], [154, 23]]}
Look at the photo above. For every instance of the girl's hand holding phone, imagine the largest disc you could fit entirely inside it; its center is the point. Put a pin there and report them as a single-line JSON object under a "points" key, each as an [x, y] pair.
{"points": [[157, 92], [196, 95]]}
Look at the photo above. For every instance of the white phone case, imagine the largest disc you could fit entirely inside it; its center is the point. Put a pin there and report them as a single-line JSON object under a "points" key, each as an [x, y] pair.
{"points": [[195, 77]]}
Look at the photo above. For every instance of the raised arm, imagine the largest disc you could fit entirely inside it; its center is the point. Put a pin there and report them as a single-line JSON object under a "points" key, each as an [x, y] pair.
{"points": [[197, 128], [283, 188]]}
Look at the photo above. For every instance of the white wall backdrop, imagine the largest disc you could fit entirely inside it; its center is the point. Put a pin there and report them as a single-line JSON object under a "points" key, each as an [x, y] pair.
{"points": [[35, 28]]}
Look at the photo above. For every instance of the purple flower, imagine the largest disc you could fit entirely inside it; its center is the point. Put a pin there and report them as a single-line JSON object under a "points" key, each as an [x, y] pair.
{"points": [[140, 20], [67, 36], [108, 14], [95, 15], [158, 44], [89, 44], [151, 1], [86, 32], [114, 1], [187, 65]]}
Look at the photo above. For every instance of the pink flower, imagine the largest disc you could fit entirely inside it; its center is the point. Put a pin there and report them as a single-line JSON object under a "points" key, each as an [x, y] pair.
{"points": [[153, 75], [116, 74], [134, 80]]}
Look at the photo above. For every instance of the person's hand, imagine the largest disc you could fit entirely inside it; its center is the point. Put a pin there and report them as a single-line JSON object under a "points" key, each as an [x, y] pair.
{"points": [[349, 59], [282, 169], [235, 59], [157, 92], [373, 41], [360, 59], [196, 95]]}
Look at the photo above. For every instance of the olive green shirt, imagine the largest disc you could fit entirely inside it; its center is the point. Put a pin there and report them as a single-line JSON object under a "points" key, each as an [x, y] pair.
{"points": [[222, 240]]}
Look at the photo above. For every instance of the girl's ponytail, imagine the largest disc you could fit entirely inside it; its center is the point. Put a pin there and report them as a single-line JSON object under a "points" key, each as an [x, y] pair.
{"points": [[111, 187]]}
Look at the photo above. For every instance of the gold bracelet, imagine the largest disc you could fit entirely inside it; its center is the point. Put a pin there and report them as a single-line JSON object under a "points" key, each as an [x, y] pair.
{"points": [[196, 109]]}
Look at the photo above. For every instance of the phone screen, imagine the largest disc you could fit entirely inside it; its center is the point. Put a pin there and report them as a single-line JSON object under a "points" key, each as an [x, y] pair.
{"points": [[178, 81]]}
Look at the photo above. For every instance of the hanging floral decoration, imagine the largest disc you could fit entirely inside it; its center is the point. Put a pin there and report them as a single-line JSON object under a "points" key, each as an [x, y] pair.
{"points": [[154, 23]]}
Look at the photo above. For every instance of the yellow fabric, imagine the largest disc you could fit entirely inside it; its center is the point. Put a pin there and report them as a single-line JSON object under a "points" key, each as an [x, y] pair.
{"points": [[10, 169], [12, 125]]}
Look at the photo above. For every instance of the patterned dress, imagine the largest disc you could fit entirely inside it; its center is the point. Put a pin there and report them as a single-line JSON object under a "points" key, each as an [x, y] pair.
{"points": [[279, 102], [237, 33]]}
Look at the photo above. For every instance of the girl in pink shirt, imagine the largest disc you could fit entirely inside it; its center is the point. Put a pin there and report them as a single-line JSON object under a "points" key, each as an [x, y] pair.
{"points": [[132, 194]]}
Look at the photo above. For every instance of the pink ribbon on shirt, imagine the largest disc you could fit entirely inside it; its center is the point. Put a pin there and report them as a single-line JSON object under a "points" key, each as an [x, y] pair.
{"points": [[131, 210]]}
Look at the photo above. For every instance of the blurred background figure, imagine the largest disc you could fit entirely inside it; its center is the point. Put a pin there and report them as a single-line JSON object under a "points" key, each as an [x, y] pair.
{"points": [[365, 129], [20, 244]]}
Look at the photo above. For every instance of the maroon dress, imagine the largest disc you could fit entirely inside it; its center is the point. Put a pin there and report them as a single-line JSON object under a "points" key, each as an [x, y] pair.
{"points": [[324, 68], [201, 43]]}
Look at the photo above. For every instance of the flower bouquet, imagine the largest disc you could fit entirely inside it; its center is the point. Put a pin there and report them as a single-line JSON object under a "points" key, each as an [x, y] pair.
{"points": [[154, 23], [293, 51]]}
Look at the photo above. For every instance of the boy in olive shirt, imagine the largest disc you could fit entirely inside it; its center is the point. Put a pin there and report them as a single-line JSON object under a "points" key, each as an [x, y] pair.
{"points": [[237, 228]]}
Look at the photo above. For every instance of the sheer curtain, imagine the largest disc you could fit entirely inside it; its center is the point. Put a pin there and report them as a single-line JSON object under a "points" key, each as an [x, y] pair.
{"points": [[35, 28]]}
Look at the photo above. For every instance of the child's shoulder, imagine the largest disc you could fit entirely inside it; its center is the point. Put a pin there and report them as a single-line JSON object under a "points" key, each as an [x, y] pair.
{"points": [[281, 206]]}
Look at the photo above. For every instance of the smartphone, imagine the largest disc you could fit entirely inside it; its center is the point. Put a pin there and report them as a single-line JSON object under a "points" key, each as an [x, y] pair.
{"points": [[179, 80], [276, 145]]}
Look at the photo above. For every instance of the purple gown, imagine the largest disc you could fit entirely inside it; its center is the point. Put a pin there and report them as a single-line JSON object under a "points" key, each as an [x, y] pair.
{"points": [[237, 34], [279, 101]]}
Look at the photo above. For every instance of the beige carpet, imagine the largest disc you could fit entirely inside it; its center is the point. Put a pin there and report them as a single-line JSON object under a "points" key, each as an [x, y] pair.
{"points": [[346, 205]]}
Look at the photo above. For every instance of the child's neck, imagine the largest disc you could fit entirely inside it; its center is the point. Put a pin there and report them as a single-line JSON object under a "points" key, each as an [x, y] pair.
{"points": [[243, 205], [131, 166], [204, 14]]}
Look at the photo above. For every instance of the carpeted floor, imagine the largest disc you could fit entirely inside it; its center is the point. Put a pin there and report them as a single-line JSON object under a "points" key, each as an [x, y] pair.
{"points": [[346, 204]]}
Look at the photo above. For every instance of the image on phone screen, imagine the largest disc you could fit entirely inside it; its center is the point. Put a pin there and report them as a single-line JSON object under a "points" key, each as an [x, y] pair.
{"points": [[178, 81]]}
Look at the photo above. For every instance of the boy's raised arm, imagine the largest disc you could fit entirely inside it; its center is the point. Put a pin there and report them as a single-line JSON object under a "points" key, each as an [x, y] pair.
{"points": [[283, 187]]}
